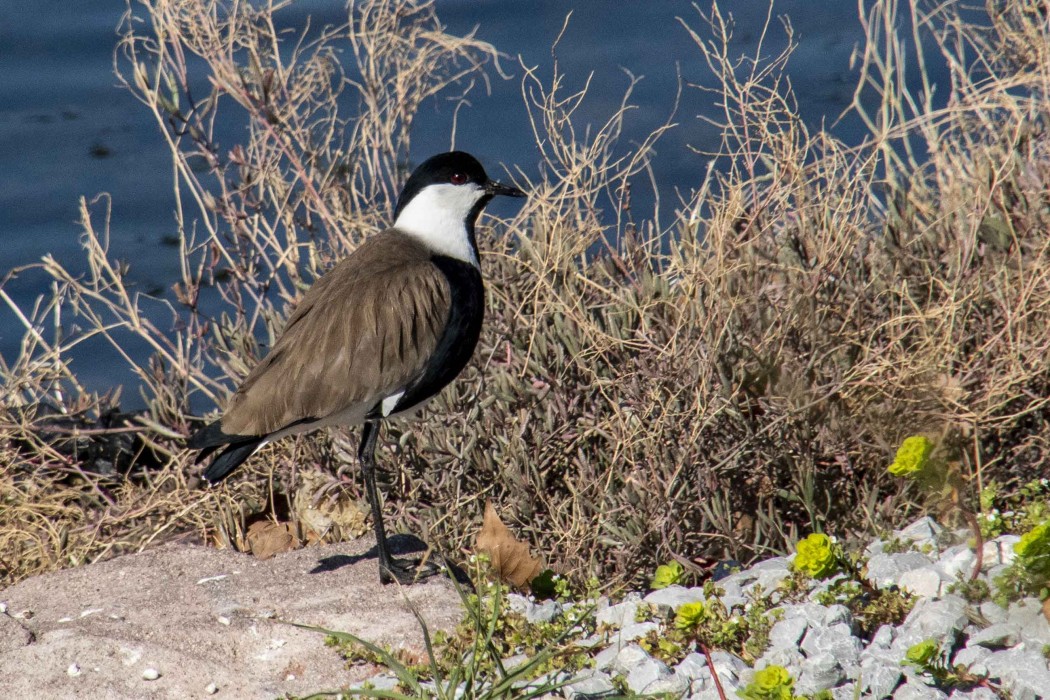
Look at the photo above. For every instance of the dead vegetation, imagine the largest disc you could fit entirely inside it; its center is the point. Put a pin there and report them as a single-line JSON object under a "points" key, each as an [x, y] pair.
{"points": [[712, 388]]}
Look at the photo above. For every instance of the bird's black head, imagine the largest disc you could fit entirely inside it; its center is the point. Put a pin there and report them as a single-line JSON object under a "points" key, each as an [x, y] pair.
{"points": [[458, 170]]}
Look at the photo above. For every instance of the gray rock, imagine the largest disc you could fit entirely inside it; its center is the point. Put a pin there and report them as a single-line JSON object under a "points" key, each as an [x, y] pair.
{"points": [[674, 597], [885, 570], [911, 691], [636, 630], [974, 694], [877, 546], [993, 612], [592, 685], [788, 657], [787, 632], [928, 582], [846, 691], [819, 672], [727, 665], [878, 679], [970, 657], [1000, 551], [546, 611], [647, 673], [883, 637], [957, 561], [629, 658], [621, 614], [922, 532], [672, 686], [997, 636], [836, 641], [1022, 672], [940, 619], [1027, 615], [606, 658], [520, 604], [692, 666], [384, 681], [835, 614]]}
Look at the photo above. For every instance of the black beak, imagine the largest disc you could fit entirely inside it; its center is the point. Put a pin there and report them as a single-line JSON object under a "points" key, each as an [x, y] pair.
{"points": [[494, 188]]}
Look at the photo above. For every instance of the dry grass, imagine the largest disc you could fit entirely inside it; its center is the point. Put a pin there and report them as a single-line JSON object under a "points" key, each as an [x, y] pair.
{"points": [[743, 382]]}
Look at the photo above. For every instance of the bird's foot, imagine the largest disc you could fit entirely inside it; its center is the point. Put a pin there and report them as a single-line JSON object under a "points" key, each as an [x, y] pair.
{"points": [[407, 571]]}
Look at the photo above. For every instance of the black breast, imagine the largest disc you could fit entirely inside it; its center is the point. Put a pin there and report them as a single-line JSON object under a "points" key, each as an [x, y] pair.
{"points": [[460, 337]]}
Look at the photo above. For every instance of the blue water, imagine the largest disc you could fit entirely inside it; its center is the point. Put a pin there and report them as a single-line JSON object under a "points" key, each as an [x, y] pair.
{"points": [[67, 130]]}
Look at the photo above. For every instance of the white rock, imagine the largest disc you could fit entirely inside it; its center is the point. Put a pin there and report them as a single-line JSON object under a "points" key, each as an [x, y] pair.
{"points": [[636, 630], [836, 641], [647, 673], [1023, 672], [542, 612], [885, 570], [1027, 615], [628, 658], [691, 666], [819, 672], [788, 632], [957, 562], [73, 669], [674, 597], [997, 636], [620, 614], [928, 582], [150, 674], [923, 531], [211, 689], [911, 691], [590, 686]]}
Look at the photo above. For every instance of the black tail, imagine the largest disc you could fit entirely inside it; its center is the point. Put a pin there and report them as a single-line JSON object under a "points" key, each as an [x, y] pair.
{"points": [[211, 438], [229, 459]]}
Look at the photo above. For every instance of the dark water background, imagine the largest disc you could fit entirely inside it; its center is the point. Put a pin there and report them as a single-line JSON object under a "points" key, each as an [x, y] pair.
{"points": [[67, 130]]}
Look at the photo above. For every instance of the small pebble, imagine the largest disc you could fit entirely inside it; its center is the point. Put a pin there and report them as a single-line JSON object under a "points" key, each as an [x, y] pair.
{"points": [[223, 620], [150, 674], [73, 670], [211, 689]]}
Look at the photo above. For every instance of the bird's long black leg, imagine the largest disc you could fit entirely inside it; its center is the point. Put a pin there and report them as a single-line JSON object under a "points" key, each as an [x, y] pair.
{"points": [[390, 569]]}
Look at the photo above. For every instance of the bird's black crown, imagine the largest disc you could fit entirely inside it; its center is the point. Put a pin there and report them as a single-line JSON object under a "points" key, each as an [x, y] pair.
{"points": [[444, 168]]}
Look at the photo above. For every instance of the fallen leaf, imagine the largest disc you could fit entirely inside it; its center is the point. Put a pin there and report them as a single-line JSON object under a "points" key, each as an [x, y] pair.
{"points": [[267, 538], [1046, 609], [511, 560]]}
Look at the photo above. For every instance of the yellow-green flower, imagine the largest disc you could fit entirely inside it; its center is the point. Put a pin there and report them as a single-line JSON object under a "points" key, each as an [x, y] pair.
{"points": [[771, 683], [667, 574], [816, 556], [689, 616], [912, 458], [1033, 550], [922, 653]]}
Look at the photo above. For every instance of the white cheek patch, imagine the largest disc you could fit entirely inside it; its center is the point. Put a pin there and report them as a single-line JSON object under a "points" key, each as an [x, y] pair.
{"points": [[437, 215]]}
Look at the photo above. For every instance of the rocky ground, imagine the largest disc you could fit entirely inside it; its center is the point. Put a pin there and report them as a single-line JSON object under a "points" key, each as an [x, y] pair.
{"points": [[183, 621]]}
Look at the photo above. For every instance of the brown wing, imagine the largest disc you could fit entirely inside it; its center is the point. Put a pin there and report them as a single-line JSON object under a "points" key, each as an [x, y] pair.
{"points": [[363, 332]]}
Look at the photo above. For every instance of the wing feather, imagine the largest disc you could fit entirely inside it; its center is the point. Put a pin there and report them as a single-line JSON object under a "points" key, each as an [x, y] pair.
{"points": [[345, 348]]}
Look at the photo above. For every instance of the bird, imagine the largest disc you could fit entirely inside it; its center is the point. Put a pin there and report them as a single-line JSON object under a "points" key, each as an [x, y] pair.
{"points": [[374, 338]]}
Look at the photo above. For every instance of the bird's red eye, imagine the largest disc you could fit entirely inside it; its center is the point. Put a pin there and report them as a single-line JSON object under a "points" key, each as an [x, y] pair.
{"points": [[458, 179]]}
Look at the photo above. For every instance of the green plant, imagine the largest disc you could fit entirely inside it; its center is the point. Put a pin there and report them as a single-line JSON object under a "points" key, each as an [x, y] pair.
{"points": [[930, 659], [667, 575], [818, 556], [469, 660], [917, 460]]}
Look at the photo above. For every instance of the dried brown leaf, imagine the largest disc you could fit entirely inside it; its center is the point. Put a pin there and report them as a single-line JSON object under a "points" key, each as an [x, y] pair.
{"points": [[267, 538], [511, 560]]}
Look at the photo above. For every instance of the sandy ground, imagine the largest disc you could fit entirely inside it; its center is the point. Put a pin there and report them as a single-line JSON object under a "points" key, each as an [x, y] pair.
{"points": [[201, 616]]}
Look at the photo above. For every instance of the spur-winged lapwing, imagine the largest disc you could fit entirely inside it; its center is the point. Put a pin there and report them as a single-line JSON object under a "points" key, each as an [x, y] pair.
{"points": [[376, 337]]}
